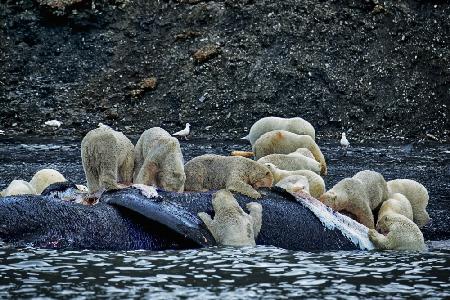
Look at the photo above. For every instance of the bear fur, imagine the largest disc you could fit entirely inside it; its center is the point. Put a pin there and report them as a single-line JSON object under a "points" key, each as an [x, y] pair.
{"points": [[396, 204], [108, 159], [234, 173], [303, 151], [294, 184], [291, 162], [359, 195], [43, 178], [417, 195], [397, 233], [284, 142], [18, 187], [295, 125], [315, 182], [231, 225], [158, 161]]}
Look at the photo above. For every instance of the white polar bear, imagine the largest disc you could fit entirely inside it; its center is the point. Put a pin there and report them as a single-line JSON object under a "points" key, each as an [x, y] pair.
{"points": [[291, 162], [108, 159], [396, 204], [158, 161], [315, 182], [295, 125], [18, 187], [43, 178], [417, 195], [397, 233], [231, 225], [359, 195], [284, 142]]}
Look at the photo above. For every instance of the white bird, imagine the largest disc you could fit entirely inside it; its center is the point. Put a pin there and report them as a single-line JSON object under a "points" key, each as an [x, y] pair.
{"points": [[2, 132], [53, 123], [344, 142], [185, 132]]}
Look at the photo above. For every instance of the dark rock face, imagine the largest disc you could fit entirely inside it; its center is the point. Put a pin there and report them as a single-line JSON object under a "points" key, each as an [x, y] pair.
{"points": [[378, 68]]}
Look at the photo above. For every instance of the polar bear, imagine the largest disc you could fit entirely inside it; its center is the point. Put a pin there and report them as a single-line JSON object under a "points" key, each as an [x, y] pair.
{"points": [[359, 195], [294, 184], [295, 125], [398, 233], [417, 195], [284, 142], [43, 178], [231, 225], [291, 162], [315, 182], [158, 160], [108, 159], [396, 204], [18, 187], [234, 173]]}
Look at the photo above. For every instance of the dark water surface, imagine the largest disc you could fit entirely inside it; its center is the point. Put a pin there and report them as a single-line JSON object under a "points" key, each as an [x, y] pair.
{"points": [[230, 273], [236, 273]]}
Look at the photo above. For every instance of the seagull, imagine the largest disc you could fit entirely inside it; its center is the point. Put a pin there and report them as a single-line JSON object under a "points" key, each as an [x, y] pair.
{"points": [[53, 123], [185, 132], [344, 143]]}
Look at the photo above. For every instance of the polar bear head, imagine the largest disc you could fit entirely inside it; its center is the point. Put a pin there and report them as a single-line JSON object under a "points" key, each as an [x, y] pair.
{"points": [[260, 177], [223, 200]]}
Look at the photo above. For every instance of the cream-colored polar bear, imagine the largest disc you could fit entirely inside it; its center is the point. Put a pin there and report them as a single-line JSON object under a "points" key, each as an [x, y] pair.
{"points": [[234, 173], [294, 184], [284, 142], [358, 195], [315, 182], [396, 204], [231, 225], [158, 160], [397, 233], [18, 187], [43, 178], [295, 125], [291, 162], [417, 195], [108, 159]]}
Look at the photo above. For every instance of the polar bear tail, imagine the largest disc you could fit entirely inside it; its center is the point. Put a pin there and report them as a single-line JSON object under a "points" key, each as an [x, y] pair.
{"points": [[247, 137]]}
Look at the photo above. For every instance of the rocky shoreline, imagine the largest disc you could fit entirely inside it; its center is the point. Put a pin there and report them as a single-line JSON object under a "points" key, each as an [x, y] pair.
{"points": [[376, 69]]}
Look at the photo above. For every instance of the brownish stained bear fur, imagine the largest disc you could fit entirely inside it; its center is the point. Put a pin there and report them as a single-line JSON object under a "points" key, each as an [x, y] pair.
{"points": [[234, 173]]}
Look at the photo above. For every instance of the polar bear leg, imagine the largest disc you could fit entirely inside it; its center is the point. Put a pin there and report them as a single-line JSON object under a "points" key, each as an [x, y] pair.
{"points": [[380, 241], [92, 179], [318, 156], [209, 224], [126, 169], [243, 188], [364, 215], [108, 175], [255, 210]]}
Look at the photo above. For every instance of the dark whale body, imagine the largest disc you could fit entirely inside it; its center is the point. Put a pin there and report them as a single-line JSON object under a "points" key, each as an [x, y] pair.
{"points": [[127, 220]]}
